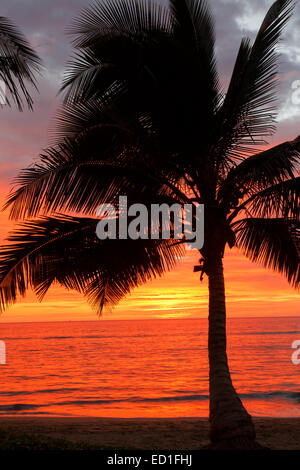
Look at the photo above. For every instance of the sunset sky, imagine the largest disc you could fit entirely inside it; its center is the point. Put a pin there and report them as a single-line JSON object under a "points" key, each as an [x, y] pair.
{"points": [[251, 290]]}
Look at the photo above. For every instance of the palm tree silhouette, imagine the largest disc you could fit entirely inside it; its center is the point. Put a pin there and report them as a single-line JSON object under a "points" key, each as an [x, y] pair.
{"points": [[144, 115], [18, 65]]}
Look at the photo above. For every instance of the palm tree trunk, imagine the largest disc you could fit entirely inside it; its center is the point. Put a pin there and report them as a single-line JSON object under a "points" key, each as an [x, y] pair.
{"points": [[230, 424]]}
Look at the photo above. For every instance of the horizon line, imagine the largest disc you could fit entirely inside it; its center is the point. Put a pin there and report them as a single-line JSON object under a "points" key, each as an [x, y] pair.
{"points": [[149, 319]]}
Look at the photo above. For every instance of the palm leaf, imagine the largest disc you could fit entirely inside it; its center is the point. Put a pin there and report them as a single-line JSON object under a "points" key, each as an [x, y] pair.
{"points": [[275, 243], [65, 179], [85, 75], [118, 16], [74, 118], [260, 171], [18, 64], [194, 25], [194, 28], [279, 200], [66, 250], [114, 58], [111, 37], [248, 113], [138, 72]]}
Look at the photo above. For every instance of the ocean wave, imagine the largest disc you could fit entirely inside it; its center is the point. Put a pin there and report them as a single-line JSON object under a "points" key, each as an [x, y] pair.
{"points": [[33, 392], [109, 337], [22, 407], [15, 407], [195, 397], [47, 338], [275, 394], [265, 333], [98, 336]]}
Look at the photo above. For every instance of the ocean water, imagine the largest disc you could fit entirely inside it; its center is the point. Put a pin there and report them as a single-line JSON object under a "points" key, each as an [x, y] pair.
{"points": [[149, 368]]}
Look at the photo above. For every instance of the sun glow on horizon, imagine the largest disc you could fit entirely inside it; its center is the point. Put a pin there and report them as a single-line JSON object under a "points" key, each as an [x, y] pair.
{"points": [[250, 290]]}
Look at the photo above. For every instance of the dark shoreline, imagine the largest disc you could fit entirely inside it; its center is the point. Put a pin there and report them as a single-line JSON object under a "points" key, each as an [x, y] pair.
{"points": [[142, 433]]}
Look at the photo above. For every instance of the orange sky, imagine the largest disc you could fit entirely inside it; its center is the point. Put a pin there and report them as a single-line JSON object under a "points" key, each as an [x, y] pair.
{"points": [[251, 291]]}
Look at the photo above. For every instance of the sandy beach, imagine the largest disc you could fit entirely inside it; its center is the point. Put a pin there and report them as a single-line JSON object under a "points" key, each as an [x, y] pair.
{"points": [[148, 434]]}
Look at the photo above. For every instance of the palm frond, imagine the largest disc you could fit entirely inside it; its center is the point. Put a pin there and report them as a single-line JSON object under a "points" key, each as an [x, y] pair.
{"points": [[77, 118], [121, 16], [66, 180], [279, 200], [113, 59], [274, 242], [134, 263], [260, 171], [66, 250], [145, 72], [18, 65], [112, 39], [247, 115], [194, 26], [85, 75]]}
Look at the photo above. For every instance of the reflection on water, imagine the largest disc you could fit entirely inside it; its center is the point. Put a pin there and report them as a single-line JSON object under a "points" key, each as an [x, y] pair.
{"points": [[144, 368]]}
